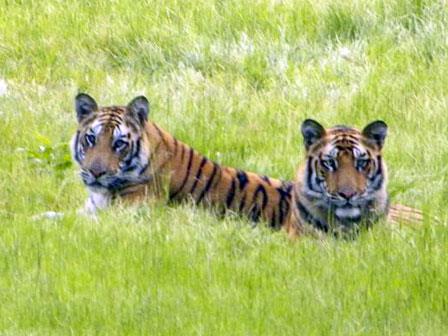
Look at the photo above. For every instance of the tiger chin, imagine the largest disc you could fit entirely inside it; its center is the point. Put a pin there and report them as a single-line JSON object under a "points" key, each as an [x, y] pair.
{"points": [[343, 183]]}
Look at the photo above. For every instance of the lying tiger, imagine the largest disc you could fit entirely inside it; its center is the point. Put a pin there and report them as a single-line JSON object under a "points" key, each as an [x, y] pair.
{"points": [[124, 155]]}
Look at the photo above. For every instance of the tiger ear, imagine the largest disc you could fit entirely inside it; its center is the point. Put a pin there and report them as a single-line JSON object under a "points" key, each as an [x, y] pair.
{"points": [[139, 107], [376, 132], [84, 105], [312, 132]]}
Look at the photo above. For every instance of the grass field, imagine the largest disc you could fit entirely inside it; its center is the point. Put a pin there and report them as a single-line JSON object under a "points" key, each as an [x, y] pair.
{"points": [[234, 79]]}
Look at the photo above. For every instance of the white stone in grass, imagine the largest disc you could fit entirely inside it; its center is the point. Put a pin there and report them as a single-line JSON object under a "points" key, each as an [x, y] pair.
{"points": [[36, 161], [3, 87], [345, 53], [245, 44], [334, 93], [109, 80], [49, 215], [282, 64], [279, 63]]}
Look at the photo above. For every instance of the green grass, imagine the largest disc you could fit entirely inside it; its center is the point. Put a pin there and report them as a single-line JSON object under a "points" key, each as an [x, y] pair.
{"points": [[234, 79]]}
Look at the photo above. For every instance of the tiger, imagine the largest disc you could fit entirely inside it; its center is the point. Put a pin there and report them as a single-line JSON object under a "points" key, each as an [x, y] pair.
{"points": [[123, 155], [343, 182]]}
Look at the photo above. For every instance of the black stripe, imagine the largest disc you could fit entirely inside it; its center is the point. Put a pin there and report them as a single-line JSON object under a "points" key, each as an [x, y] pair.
{"points": [[112, 117], [286, 206], [353, 136], [143, 168], [350, 141], [255, 213], [380, 166], [129, 168], [135, 147], [187, 174], [198, 175], [132, 125], [377, 179], [309, 173], [242, 179], [114, 114], [283, 208], [109, 120], [288, 188], [231, 194], [260, 189], [266, 179], [135, 152], [273, 219], [76, 147], [138, 147], [209, 183], [283, 204], [88, 120], [307, 216], [339, 137], [158, 131], [342, 148]]}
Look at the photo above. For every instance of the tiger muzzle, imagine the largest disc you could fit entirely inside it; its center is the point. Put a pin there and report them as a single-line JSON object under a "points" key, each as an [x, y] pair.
{"points": [[97, 169], [347, 192]]}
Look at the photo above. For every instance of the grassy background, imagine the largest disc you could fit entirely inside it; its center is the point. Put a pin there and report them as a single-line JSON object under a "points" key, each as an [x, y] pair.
{"points": [[234, 79]]}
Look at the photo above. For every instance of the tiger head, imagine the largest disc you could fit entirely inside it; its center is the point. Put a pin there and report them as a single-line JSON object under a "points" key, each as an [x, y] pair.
{"points": [[109, 143], [345, 176]]}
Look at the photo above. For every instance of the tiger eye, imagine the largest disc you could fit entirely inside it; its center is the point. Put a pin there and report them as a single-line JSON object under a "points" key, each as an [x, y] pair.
{"points": [[120, 145]]}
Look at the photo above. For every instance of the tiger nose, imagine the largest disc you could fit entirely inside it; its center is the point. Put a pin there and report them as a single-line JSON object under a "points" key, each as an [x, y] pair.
{"points": [[347, 192], [97, 170]]}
